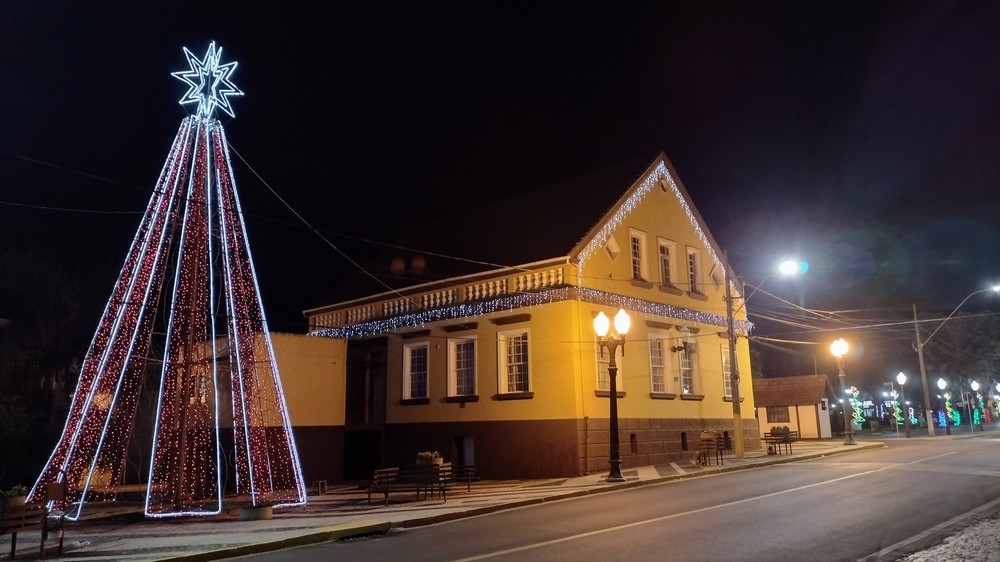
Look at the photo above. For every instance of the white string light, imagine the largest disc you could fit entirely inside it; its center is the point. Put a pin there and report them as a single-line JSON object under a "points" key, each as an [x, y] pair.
{"points": [[521, 300], [208, 82]]}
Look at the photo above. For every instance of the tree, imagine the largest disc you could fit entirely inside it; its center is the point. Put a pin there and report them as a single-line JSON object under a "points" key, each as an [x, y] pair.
{"points": [[965, 348], [44, 328]]}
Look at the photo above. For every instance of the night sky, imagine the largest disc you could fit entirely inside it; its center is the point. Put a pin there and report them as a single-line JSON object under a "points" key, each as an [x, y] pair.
{"points": [[859, 136]]}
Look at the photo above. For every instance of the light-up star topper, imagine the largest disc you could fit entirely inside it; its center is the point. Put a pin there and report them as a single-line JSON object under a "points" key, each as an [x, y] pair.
{"points": [[209, 82]]}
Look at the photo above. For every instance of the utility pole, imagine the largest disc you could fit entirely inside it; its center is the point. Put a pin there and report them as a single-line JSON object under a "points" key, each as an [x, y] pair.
{"points": [[734, 371], [923, 375]]}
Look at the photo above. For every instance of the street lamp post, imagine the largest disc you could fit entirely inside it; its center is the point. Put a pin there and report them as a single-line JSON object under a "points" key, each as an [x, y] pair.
{"points": [[611, 343], [901, 379], [920, 351], [974, 397], [943, 384], [839, 348]]}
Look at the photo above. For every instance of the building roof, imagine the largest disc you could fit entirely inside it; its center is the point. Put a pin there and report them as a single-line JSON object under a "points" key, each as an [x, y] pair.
{"points": [[508, 231], [792, 391]]}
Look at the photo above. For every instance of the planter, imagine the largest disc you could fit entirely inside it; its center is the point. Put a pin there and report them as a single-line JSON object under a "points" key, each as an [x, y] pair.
{"points": [[258, 513], [429, 462]]}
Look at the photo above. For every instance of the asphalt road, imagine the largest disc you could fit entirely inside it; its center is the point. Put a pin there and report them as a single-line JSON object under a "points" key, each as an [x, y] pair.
{"points": [[882, 503]]}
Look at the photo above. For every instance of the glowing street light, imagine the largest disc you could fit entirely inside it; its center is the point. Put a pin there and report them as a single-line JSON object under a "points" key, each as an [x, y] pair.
{"points": [[838, 349], [901, 379], [943, 384], [611, 343]]}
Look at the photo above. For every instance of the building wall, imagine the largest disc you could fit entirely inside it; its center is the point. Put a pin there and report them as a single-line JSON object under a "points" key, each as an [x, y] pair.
{"points": [[503, 449], [312, 374], [553, 370]]}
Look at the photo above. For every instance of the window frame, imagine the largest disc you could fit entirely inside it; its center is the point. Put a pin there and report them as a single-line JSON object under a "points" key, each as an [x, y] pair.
{"points": [[771, 410], [504, 340], [694, 270], [727, 373], [603, 367], [407, 389], [668, 271], [638, 260], [689, 354], [661, 341], [453, 357]]}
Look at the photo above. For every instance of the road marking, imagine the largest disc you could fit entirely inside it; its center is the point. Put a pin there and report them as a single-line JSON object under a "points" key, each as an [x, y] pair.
{"points": [[678, 469], [668, 517]]}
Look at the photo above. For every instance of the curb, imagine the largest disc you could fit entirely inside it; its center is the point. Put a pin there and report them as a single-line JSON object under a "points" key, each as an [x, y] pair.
{"points": [[322, 534]]}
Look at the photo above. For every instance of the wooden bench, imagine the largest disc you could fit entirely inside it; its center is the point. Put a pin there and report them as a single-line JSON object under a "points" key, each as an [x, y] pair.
{"points": [[422, 479], [464, 473], [780, 440], [17, 517]]}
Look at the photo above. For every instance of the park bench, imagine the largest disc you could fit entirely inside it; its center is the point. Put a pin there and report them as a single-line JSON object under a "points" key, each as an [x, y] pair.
{"points": [[777, 441], [18, 517], [464, 473], [421, 479]]}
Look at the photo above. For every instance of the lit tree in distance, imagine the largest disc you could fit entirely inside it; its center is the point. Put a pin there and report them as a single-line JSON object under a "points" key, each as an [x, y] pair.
{"points": [[189, 271]]}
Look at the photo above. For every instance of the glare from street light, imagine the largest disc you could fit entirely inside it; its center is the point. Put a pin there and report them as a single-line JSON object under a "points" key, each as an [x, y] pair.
{"points": [[901, 378], [942, 383], [622, 322], [601, 324], [975, 386], [792, 267], [839, 347]]}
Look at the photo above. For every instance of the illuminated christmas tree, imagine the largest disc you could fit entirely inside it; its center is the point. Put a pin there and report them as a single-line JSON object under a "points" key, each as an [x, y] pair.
{"points": [[187, 304]]}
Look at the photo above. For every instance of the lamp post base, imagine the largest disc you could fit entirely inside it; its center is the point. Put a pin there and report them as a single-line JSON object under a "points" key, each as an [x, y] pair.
{"points": [[616, 472]]}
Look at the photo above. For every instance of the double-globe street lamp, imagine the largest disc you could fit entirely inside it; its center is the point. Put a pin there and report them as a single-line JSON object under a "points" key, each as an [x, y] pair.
{"points": [[611, 343], [920, 349], [839, 348]]}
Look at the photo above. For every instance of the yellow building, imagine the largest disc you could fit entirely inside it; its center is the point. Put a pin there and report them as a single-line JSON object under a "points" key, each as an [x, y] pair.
{"points": [[499, 365]]}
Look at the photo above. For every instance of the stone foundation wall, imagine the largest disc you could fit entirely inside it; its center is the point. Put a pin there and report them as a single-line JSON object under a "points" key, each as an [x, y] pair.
{"points": [[652, 441]]}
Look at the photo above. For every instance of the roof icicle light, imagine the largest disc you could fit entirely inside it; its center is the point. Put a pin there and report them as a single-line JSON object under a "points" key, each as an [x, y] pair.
{"points": [[208, 81]]}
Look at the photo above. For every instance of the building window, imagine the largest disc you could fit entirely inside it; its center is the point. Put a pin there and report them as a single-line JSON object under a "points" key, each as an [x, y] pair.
{"points": [[415, 371], [513, 358], [637, 249], [692, 270], [612, 247], [603, 363], [659, 370], [666, 255], [727, 374], [777, 414], [687, 355], [461, 367]]}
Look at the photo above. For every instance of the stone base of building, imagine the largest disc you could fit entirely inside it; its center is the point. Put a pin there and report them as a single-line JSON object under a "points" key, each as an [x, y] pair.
{"points": [[653, 441], [553, 448]]}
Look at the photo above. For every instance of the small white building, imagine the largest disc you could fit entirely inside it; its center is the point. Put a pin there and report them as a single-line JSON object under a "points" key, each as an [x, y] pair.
{"points": [[800, 403]]}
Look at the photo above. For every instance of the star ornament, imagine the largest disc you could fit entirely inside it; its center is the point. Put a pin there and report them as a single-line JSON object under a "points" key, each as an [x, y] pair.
{"points": [[208, 82]]}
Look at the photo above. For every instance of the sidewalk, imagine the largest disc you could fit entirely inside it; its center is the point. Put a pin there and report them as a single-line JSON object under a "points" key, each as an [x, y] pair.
{"points": [[344, 511]]}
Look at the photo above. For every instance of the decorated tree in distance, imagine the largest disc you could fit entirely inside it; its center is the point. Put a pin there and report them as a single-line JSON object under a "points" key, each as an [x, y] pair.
{"points": [[953, 414], [186, 304], [859, 417]]}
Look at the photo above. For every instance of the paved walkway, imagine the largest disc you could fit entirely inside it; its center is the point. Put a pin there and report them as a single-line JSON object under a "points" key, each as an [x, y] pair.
{"points": [[344, 511]]}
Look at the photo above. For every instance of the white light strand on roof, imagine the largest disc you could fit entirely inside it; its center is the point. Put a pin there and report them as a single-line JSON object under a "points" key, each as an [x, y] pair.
{"points": [[658, 173]]}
